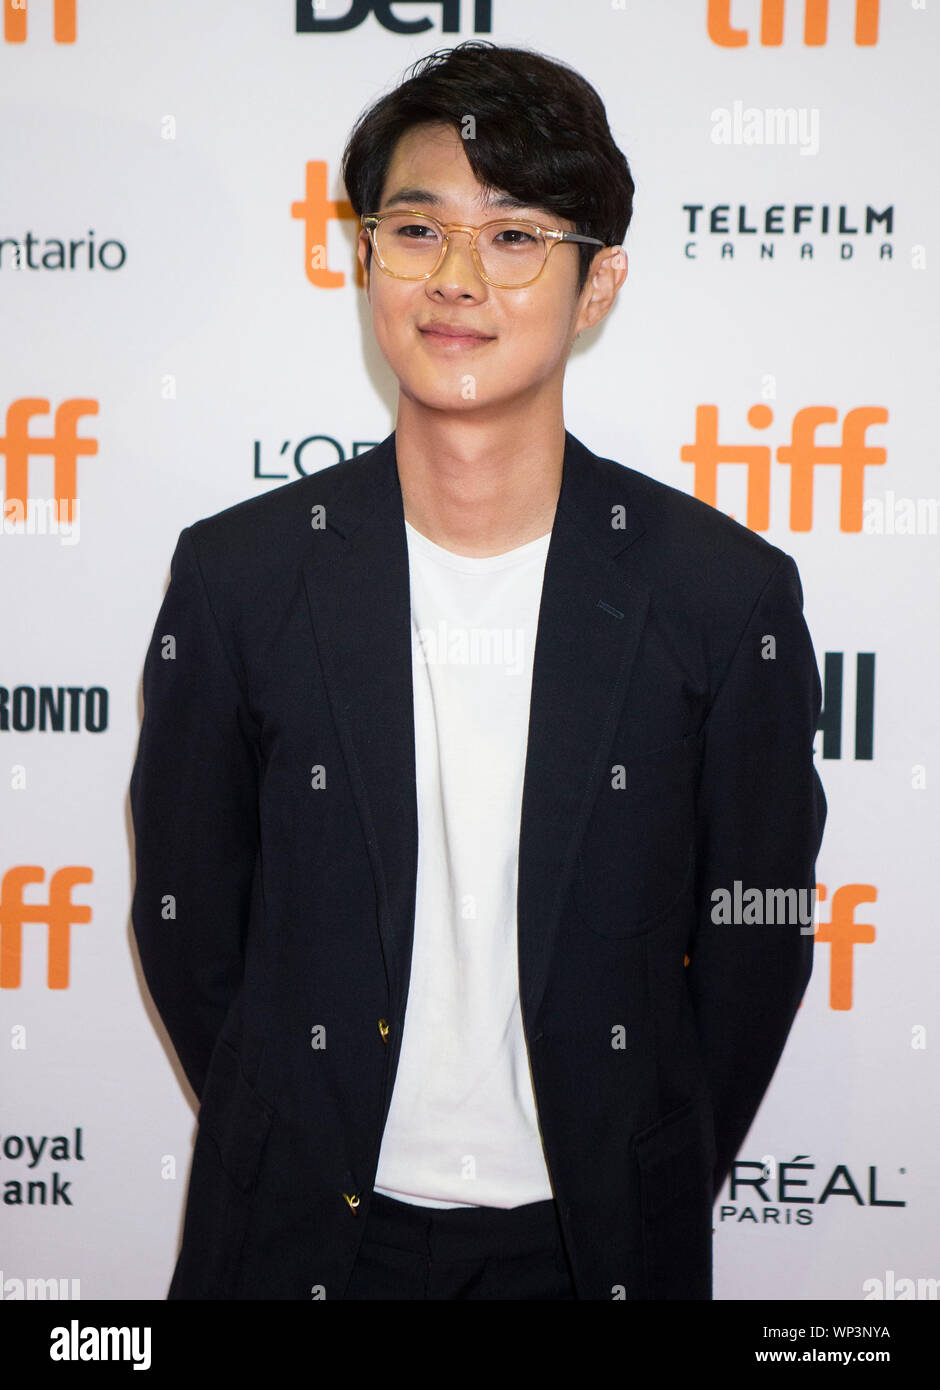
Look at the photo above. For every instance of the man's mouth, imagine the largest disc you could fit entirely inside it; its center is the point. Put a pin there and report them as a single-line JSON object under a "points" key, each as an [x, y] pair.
{"points": [[454, 335]]}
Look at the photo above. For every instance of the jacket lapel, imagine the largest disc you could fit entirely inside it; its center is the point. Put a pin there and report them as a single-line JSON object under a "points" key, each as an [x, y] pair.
{"points": [[590, 620], [591, 617], [359, 597]]}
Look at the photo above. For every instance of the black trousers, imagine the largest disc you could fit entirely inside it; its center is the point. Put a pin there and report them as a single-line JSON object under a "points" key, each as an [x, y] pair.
{"points": [[417, 1252]]}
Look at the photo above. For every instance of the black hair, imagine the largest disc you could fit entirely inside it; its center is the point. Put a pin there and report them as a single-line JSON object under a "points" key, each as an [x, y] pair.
{"points": [[541, 135]]}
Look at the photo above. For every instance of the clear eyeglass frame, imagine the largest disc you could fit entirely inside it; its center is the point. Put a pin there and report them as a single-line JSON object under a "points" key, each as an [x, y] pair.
{"points": [[549, 237]]}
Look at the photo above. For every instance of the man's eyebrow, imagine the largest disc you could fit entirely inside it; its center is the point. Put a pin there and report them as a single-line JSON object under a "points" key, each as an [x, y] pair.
{"points": [[424, 195]]}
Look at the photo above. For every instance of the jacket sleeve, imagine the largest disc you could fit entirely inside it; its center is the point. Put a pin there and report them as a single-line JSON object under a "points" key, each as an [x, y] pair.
{"points": [[194, 798], [760, 816]]}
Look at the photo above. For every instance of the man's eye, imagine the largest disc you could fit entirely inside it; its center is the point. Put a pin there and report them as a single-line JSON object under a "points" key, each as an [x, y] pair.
{"points": [[515, 236], [414, 231]]}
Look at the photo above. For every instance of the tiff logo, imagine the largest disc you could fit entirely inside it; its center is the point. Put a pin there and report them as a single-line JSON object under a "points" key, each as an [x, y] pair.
{"points": [[774, 907], [315, 212], [852, 455], [815, 23], [311, 18], [842, 934], [18, 446], [63, 21], [59, 914]]}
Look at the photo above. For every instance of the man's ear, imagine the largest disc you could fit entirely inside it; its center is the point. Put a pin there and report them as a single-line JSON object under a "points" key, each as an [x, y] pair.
{"points": [[607, 274], [362, 253]]}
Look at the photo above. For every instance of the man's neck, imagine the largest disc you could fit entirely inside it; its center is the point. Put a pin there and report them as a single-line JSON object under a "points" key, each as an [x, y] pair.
{"points": [[479, 488]]}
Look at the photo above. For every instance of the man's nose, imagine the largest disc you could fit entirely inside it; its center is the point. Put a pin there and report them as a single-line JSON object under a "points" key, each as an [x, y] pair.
{"points": [[457, 269]]}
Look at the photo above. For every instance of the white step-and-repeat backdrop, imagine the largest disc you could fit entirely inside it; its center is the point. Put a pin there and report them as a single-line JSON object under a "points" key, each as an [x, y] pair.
{"points": [[169, 347]]}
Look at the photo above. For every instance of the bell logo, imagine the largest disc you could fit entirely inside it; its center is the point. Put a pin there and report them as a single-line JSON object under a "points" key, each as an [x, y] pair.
{"points": [[59, 914], [63, 445], [309, 21], [815, 23], [63, 21], [851, 455]]}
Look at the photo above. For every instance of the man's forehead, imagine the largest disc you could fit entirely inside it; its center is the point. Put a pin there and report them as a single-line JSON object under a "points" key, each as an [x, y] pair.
{"points": [[429, 168], [417, 193]]}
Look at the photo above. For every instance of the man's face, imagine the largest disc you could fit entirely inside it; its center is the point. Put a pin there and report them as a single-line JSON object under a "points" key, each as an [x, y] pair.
{"points": [[529, 331]]}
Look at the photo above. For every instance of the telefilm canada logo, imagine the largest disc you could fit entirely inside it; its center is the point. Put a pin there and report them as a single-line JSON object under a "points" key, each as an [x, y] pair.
{"points": [[798, 231]]}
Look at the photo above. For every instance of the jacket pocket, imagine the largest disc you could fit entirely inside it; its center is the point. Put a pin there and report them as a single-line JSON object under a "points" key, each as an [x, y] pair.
{"points": [[675, 1160], [234, 1116], [638, 851]]}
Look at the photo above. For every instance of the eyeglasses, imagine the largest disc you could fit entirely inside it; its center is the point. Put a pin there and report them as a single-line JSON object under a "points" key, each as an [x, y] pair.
{"points": [[508, 254]]}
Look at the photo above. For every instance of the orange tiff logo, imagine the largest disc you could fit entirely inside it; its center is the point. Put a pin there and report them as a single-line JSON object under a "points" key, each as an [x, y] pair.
{"points": [[63, 21], [842, 934], [316, 211], [851, 455], [59, 914], [815, 23], [64, 446]]}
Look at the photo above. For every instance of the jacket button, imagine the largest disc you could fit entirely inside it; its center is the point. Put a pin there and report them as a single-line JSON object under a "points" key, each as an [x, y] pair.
{"points": [[383, 1029], [352, 1199]]}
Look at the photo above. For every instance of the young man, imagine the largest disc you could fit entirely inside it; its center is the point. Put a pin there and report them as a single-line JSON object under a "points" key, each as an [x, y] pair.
{"points": [[445, 751]]}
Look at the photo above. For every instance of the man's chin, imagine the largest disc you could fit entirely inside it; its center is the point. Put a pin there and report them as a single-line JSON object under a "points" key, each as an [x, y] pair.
{"points": [[459, 393]]}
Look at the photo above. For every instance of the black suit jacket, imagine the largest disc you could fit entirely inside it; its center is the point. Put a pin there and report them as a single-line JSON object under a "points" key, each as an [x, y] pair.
{"points": [[274, 915]]}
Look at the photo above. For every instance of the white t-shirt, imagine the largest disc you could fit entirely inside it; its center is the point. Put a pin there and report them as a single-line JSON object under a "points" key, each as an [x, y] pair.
{"points": [[462, 1127]]}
